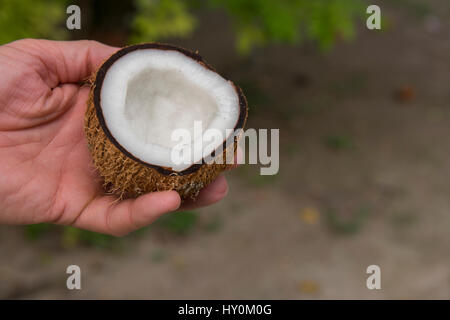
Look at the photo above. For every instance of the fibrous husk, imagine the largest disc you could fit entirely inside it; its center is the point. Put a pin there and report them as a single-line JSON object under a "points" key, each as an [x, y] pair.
{"points": [[127, 177]]}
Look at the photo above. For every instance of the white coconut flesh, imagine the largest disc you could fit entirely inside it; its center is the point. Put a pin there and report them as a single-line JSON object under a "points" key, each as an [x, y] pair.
{"points": [[148, 93]]}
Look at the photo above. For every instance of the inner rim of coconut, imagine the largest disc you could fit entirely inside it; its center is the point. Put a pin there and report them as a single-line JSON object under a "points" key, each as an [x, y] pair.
{"points": [[148, 93]]}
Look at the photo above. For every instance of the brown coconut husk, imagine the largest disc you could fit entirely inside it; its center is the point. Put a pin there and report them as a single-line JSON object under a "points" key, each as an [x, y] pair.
{"points": [[128, 177]]}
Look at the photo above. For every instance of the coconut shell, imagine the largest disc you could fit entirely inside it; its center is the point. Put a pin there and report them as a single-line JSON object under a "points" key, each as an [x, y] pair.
{"points": [[128, 177]]}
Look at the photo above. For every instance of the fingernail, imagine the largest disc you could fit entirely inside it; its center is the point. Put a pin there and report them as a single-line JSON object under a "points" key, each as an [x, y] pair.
{"points": [[175, 200]]}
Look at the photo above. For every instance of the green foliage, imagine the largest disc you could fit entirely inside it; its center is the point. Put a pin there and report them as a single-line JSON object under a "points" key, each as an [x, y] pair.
{"points": [[259, 22], [32, 19], [256, 22], [158, 19], [180, 223], [326, 20], [339, 142], [72, 237], [347, 226], [36, 231]]}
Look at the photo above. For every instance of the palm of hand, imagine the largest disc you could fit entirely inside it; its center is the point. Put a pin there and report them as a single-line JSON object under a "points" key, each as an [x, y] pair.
{"points": [[45, 166]]}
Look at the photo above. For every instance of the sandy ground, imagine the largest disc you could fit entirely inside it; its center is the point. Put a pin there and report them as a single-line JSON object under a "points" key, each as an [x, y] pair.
{"points": [[363, 180]]}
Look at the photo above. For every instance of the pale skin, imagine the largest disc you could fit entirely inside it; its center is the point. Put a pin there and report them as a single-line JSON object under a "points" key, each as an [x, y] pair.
{"points": [[46, 171]]}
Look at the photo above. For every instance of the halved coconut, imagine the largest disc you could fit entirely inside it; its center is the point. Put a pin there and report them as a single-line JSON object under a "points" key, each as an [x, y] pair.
{"points": [[139, 97]]}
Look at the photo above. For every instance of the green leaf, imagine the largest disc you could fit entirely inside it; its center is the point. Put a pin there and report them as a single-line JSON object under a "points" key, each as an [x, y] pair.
{"points": [[32, 19], [160, 19], [179, 222]]}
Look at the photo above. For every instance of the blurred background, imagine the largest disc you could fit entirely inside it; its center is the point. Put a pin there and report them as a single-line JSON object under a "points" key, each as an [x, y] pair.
{"points": [[364, 156]]}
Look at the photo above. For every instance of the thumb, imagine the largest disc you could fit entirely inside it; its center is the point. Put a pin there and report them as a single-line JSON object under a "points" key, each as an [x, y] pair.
{"points": [[118, 218]]}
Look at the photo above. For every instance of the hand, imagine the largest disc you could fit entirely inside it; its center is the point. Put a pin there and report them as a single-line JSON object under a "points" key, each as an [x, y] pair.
{"points": [[46, 173]]}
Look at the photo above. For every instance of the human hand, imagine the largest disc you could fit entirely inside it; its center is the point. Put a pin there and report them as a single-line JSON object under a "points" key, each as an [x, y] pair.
{"points": [[46, 173]]}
